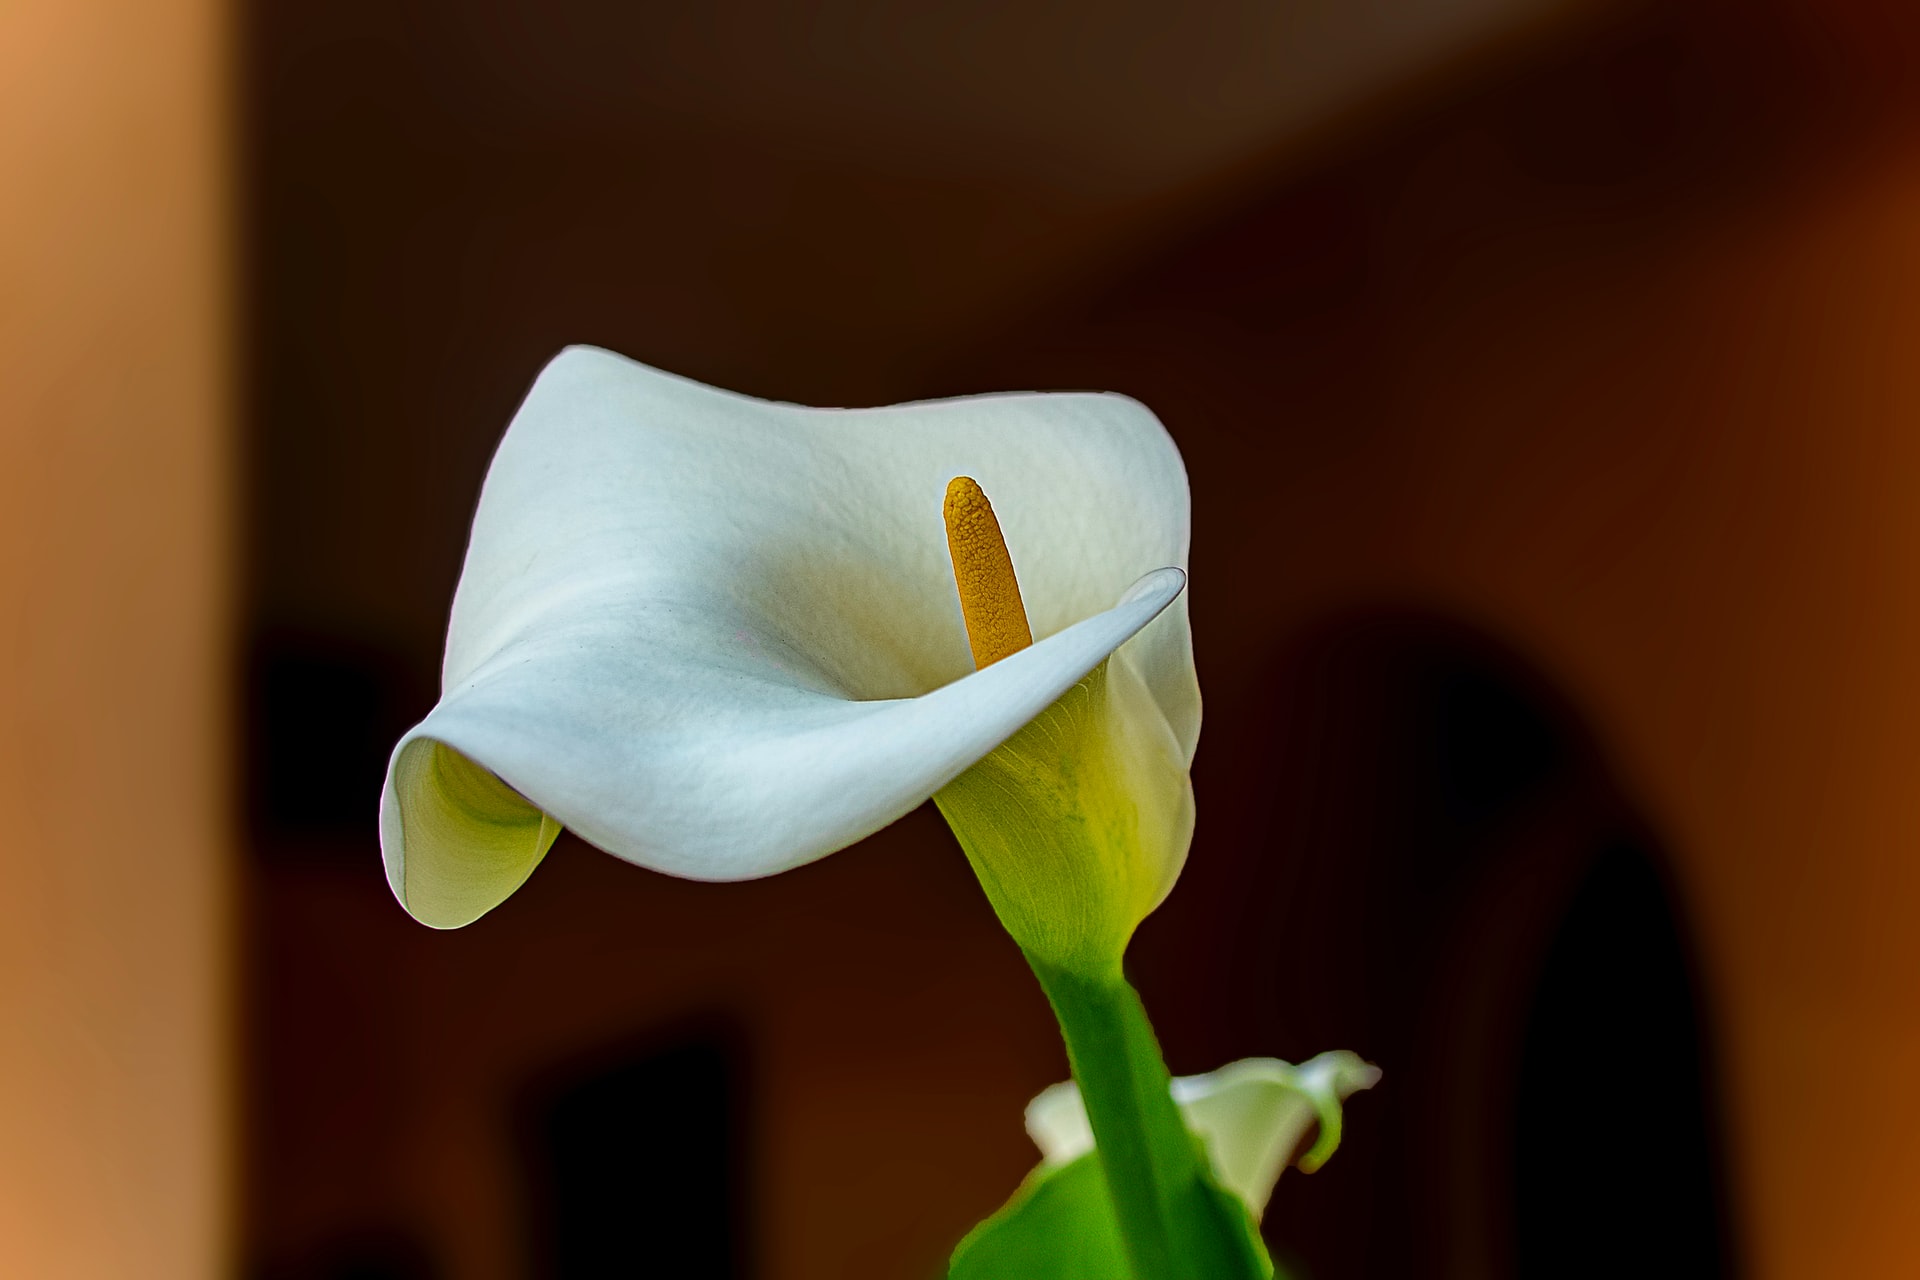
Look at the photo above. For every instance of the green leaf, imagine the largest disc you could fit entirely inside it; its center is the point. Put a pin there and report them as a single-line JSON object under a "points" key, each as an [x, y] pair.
{"points": [[1061, 1225], [1058, 1226]]}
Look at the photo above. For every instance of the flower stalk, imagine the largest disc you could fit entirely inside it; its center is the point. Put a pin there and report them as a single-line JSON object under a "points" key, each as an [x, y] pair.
{"points": [[1174, 1220], [1056, 825]]}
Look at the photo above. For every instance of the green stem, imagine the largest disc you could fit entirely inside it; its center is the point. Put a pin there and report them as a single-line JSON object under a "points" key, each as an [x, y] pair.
{"points": [[1173, 1219]]}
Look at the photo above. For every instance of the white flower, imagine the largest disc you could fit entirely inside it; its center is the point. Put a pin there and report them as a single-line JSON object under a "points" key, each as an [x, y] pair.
{"points": [[719, 637], [1252, 1115]]}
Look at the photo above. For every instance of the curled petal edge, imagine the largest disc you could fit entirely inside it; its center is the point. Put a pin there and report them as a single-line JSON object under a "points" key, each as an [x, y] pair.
{"points": [[477, 792]]}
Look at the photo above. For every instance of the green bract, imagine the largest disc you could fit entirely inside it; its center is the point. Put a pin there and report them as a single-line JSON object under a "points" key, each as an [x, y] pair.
{"points": [[1078, 824]]}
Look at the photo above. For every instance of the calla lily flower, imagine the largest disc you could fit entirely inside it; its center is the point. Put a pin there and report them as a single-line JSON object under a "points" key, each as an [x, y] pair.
{"points": [[1252, 1116], [720, 637]]}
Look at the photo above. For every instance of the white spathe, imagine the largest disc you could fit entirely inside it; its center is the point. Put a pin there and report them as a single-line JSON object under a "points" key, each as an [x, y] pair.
{"points": [[719, 636], [1252, 1114]]}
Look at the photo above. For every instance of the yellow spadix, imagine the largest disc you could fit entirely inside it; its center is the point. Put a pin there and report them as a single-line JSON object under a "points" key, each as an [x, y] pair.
{"points": [[983, 573], [1074, 824]]}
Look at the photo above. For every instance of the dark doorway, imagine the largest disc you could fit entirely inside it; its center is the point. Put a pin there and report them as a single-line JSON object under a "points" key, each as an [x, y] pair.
{"points": [[1615, 1152]]}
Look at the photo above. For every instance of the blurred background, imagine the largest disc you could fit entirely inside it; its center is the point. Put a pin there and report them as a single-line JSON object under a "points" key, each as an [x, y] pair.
{"points": [[1546, 374]]}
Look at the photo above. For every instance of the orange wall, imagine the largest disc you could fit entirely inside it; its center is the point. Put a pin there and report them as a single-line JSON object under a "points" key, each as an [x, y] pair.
{"points": [[112, 543], [1747, 625]]}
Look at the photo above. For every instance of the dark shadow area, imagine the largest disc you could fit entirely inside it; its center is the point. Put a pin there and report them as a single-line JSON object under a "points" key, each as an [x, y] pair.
{"points": [[1454, 885], [635, 1162], [1616, 1155]]}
